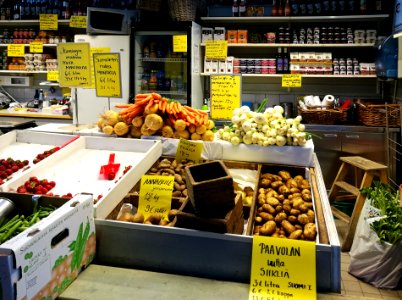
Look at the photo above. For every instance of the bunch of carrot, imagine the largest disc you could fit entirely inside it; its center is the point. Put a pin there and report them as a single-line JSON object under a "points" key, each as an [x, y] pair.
{"points": [[173, 109]]}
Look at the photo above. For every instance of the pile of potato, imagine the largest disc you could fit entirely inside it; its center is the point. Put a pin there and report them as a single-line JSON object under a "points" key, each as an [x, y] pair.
{"points": [[284, 207]]}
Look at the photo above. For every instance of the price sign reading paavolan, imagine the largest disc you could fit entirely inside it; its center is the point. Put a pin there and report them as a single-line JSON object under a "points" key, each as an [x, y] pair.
{"points": [[216, 49], [48, 22], [187, 150], [36, 47], [52, 76], [155, 195], [78, 21], [180, 43], [291, 80], [107, 74], [225, 95], [278, 269], [15, 50], [74, 64]]}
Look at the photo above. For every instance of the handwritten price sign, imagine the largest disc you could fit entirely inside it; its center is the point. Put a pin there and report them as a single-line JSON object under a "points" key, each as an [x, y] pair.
{"points": [[278, 269], [225, 95], [187, 150], [155, 195], [216, 49], [291, 80]]}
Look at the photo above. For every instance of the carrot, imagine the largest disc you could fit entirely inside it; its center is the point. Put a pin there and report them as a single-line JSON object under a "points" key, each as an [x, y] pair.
{"points": [[156, 96], [164, 104], [179, 107], [122, 105], [160, 105], [143, 100], [141, 96], [206, 119]]}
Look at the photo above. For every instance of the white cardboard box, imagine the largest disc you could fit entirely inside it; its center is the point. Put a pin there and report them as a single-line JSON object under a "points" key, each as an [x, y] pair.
{"points": [[44, 259], [76, 169]]}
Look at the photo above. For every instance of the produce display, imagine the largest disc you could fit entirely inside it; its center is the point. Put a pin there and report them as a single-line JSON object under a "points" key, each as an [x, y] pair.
{"points": [[285, 207], [45, 154], [152, 114], [19, 223], [266, 128], [9, 166]]}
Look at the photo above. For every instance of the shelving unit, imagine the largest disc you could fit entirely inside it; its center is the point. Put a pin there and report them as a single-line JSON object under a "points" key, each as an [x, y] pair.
{"points": [[275, 45], [303, 76]]}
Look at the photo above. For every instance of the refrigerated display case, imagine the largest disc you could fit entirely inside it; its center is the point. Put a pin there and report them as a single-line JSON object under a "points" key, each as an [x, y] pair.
{"points": [[159, 66]]}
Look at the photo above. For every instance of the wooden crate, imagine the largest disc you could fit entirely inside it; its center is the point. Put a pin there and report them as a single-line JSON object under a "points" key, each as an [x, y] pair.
{"points": [[233, 222]]}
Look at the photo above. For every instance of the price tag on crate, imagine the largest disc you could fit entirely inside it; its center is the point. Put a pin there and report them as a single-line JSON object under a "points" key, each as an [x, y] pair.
{"points": [[216, 49], [36, 47], [48, 22], [78, 21], [188, 150], [16, 50], [291, 80], [282, 269], [155, 195]]}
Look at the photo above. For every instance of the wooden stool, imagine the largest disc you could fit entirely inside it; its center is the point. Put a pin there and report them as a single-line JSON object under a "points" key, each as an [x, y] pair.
{"points": [[371, 169]]}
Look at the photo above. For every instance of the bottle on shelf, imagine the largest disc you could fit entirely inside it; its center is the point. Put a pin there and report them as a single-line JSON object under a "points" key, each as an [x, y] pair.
{"points": [[280, 8], [33, 9], [27, 10], [317, 7], [235, 9], [274, 11], [378, 7], [303, 8], [334, 7], [288, 8], [242, 8], [342, 7], [309, 7], [295, 7], [16, 10], [279, 61], [363, 7], [326, 7], [153, 81], [351, 7], [285, 59]]}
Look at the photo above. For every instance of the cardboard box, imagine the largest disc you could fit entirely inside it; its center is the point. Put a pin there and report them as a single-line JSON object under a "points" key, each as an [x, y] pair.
{"points": [[207, 34], [43, 260], [229, 64], [232, 36], [222, 66], [219, 33]]}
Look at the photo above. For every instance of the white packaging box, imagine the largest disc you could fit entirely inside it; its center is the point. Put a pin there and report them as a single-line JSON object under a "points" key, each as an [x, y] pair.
{"points": [[294, 56], [207, 65], [76, 169], [43, 260], [222, 66], [219, 34], [207, 34], [229, 64], [214, 66]]}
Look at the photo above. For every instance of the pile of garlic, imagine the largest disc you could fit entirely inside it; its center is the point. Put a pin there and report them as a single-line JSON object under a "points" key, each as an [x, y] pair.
{"points": [[266, 128]]}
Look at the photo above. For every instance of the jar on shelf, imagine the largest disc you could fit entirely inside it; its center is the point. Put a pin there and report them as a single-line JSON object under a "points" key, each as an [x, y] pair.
{"points": [[153, 81]]}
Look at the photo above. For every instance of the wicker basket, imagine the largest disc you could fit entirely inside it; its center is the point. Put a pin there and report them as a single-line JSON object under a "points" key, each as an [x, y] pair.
{"points": [[183, 10], [327, 116], [149, 5], [373, 114]]}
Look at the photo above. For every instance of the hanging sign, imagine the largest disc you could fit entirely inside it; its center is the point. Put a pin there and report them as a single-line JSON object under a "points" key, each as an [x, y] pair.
{"points": [[74, 64], [48, 22], [291, 80], [216, 49], [155, 195], [180, 43], [16, 50], [36, 47], [188, 150], [78, 21], [52, 76], [282, 269], [225, 95], [107, 74]]}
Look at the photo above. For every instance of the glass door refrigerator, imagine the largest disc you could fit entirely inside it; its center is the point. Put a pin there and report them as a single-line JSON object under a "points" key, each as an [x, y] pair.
{"points": [[158, 67]]}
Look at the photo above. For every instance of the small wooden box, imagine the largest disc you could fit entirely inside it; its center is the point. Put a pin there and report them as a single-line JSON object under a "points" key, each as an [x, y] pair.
{"points": [[210, 188], [233, 222]]}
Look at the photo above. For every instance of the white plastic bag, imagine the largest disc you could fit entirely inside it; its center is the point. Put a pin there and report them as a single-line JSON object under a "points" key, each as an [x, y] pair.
{"points": [[372, 261]]}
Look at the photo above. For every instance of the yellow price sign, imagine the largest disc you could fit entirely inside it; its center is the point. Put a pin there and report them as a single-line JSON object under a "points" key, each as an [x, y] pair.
{"points": [[16, 50], [78, 21], [225, 95], [216, 49], [52, 76], [291, 80], [74, 64], [180, 43], [48, 22], [278, 269], [36, 47], [92, 51], [155, 195], [107, 74], [188, 150]]}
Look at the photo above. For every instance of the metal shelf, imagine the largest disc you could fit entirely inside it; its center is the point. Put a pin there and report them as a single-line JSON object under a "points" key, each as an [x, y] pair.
{"points": [[266, 45], [165, 92], [310, 19], [173, 60], [22, 72], [27, 45], [28, 22], [303, 75]]}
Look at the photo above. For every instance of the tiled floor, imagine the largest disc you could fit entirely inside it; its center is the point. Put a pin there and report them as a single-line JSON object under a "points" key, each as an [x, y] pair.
{"points": [[352, 288]]}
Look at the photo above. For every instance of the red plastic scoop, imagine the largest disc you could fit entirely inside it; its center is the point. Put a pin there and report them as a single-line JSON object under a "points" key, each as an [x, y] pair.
{"points": [[110, 170]]}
